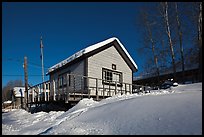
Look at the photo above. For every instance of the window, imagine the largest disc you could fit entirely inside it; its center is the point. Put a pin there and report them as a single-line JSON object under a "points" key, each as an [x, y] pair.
{"points": [[108, 76], [111, 76], [116, 77], [69, 79], [113, 66], [62, 80]]}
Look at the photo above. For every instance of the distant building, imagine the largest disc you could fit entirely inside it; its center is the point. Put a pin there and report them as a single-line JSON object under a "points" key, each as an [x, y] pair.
{"points": [[18, 96], [191, 75], [6, 104]]}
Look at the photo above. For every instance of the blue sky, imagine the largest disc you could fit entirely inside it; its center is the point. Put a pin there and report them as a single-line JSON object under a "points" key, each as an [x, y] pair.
{"points": [[66, 28]]}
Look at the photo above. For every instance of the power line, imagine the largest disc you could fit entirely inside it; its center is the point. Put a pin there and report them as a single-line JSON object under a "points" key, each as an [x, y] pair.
{"points": [[29, 63], [37, 65], [19, 75]]}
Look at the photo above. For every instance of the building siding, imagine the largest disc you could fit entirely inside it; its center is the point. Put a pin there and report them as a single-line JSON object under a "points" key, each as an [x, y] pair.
{"points": [[105, 59], [92, 67], [77, 69]]}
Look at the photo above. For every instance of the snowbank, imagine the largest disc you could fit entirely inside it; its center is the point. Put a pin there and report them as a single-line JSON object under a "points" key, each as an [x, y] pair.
{"points": [[178, 112]]}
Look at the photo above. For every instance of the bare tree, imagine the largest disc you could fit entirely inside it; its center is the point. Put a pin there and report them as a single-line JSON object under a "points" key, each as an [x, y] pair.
{"points": [[182, 24], [180, 39], [152, 36], [6, 90], [200, 38], [148, 25], [168, 32]]}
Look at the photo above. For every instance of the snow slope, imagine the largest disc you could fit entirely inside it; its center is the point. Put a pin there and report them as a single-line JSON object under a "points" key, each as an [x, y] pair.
{"points": [[178, 112]]}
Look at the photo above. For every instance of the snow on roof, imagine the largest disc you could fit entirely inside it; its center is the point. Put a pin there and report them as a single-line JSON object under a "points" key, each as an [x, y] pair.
{"points": [[89, 49], [8, 102], [19, 91]]}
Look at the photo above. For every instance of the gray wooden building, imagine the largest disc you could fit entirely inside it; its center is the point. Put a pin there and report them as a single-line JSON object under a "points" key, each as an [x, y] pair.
{"points": [[106, 65]]}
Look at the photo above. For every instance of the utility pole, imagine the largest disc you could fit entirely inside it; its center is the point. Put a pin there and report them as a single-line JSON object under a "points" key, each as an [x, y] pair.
{"points": [[41, 49], [41, 56], [26, 83]]}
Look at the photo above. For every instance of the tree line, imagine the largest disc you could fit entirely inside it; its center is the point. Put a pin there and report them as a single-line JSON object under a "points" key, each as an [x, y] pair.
{"points": [[172, 35], [6, 90]]}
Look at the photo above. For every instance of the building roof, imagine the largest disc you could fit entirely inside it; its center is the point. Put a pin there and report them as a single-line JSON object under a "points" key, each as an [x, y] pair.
{"points": [[91, 48], [19, 91]]}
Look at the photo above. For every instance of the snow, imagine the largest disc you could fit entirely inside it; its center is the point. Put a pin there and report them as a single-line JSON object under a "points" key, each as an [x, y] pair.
{"points": [[175, 111], [8, 102], [18, 91], [89, 49]]}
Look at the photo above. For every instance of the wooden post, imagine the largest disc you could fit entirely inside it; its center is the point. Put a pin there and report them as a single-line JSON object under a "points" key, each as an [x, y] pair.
{"points": [[74, 86], [115, 87], [67, 89], [44, 89], [38, 97], [53, 81], [41, 92], [125, 89], [82, 87], [33, 95], [48, 93], [88, 87], [103, 91], [121, 89], [88, 94], [129, 88], [96, 89], [57, 89], [26, 84], [109, 89]]}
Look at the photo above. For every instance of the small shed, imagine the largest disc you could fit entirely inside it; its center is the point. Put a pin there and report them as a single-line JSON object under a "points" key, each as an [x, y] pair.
{"points": [[18, 96]]}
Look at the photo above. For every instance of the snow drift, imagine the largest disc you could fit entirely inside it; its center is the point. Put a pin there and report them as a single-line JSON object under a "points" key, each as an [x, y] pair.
{"points": [[178, 112]]}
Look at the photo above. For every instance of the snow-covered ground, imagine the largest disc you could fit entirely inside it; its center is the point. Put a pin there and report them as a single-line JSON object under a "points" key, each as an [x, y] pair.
{"points": [[158, 113]]}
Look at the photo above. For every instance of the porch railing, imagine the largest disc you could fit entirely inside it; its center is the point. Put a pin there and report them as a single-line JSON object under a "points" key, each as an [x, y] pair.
{"points": [[77, 87]]}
